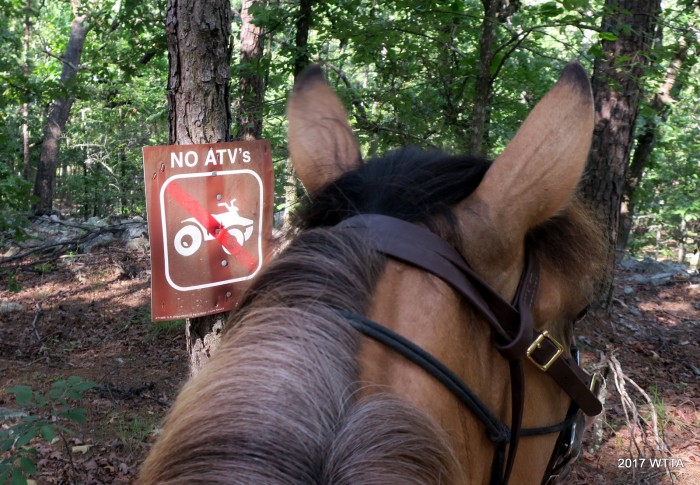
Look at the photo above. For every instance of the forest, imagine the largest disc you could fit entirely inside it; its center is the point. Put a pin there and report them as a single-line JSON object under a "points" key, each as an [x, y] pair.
{"points": [[448, 75], [86, 84]]}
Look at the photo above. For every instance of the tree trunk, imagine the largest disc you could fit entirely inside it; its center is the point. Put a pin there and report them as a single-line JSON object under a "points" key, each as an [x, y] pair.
{"points": [[25, 106], [617, 91], [301, 61], [251, 87], [199, 53], [661, 105], [45, 184], [495, 11], [301, 39]]}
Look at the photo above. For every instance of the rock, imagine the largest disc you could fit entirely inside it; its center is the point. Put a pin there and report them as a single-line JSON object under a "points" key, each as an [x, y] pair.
{"points": [[635, 311], [695, 370], [646, 265], [103, 240], [640, 279], [10, 307], [135, 231], [7, 414], [651, 266], [140, 244], [661, 279], [656, 273], [628, 290], [96, 221]]}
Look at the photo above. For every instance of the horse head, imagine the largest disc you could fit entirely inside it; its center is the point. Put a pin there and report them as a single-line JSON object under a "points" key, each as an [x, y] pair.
{"points": [[526, 201], [417, 328]]}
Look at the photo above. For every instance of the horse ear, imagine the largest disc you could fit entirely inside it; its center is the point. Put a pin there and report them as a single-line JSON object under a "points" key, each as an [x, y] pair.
{"points": [[321, 143], [536, 174]]}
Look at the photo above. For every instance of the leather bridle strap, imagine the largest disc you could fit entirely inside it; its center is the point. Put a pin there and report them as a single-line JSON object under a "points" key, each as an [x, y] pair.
{"points": [[514, 334], [425, 250], [428, 251], [497, 432]]}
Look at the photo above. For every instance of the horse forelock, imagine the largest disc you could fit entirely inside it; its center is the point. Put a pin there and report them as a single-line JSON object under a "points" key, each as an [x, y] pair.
{"points": [[410, 184]]}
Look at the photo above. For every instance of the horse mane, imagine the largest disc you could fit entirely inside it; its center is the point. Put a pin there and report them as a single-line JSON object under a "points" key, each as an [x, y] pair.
{"points": [[277, 403]]}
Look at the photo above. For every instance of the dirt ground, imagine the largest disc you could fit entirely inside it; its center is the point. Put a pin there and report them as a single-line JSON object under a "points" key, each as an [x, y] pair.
{"points": [[88, 315]]}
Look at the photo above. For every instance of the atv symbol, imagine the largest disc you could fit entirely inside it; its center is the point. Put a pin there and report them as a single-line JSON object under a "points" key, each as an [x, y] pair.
{"points": [[189, 238]]}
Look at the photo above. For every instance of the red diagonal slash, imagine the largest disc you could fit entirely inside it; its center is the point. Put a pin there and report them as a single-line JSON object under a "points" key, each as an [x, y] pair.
{"points": [[185, 200]]}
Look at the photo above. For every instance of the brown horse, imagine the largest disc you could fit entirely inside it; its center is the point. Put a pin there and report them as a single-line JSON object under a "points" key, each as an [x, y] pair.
{"points": [[295, 394]]}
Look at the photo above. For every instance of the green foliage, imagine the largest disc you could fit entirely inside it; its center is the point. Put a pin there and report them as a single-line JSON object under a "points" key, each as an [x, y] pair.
{"points": [[14, 203], [166, 328], [134, 432], [667, 199], [12, 284], [51, 411], [43, 267], [119, 102], [405, 70]]}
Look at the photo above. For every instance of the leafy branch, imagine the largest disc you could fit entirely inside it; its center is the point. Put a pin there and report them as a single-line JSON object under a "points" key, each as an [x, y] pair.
{"points": [[52, 410]]}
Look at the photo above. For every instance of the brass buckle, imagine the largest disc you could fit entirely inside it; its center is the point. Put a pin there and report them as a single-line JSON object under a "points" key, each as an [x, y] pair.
{"points": [[538, 343]]}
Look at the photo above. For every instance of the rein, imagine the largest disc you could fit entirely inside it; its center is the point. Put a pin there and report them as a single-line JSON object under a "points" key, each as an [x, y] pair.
{"points": [[514, 334]]}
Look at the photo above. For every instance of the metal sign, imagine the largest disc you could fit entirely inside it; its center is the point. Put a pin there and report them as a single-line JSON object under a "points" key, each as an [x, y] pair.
{"points": [[209, 221]]}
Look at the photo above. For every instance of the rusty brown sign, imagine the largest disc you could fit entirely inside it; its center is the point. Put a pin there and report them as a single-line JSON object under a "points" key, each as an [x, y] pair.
{"points": [[209, 221]]}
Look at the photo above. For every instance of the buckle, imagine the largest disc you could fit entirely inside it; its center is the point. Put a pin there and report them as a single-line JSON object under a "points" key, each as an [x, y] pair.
{"points": [[538, 344]]}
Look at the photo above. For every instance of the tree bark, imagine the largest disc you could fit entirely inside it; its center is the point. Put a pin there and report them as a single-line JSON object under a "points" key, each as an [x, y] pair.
{"points": [[199, 53], [251, 85], [25, 106], [301, 39], [45, 183], [617, 91], [301, 60], [646, 141], [495, 11]]}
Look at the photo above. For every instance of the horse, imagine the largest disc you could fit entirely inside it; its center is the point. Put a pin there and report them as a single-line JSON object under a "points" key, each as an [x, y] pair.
{"points": [[418, 328]]}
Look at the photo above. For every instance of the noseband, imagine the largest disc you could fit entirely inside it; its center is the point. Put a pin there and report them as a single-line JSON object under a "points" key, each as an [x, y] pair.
{"points": [[514, 336]]}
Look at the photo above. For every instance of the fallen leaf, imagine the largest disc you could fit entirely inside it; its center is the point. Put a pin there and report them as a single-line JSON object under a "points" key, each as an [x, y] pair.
{"points": [[81, 448]]}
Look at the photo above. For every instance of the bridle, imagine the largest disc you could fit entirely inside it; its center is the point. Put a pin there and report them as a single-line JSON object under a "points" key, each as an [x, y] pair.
{"points": [[514, 336]]}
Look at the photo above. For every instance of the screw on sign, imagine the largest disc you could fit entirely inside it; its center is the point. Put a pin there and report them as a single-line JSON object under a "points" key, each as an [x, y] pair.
{"points": [[210, 222]]}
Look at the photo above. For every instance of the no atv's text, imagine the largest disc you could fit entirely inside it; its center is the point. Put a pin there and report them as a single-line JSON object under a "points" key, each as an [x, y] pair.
{"points": [[214, 157]]}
